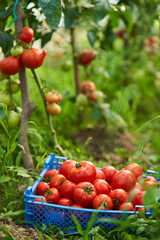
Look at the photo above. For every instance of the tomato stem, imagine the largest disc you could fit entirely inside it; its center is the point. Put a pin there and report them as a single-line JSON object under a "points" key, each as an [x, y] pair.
{"points": [[88, 190]]}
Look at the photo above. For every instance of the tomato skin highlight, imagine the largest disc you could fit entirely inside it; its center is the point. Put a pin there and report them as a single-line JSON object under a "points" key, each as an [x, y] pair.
{"points": [[84, 171], [100, 174], [57, 180], [41, 188], [109, 172], [66, 167], [118, 197], [84, 193], [135, 169], [67, 188], [99, 199], [10, 65], [33, 58], [101, 186], [65, 202], [123, 179], [26, 35]]}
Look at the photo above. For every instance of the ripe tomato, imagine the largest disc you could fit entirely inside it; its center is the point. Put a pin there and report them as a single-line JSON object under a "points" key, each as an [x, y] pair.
{"points": [[10, 65], [109, 172], [65, 202], [67, 188], [148, 184], [121, 32], [53, 97], [99, 199], [150, 178], [101, 186], [127, 206], [100, 174], [57, 180], [26, 35], [87, 86], [49, 174], [5, 98], [53, 109], [41, 188], [13, 86], [92, 97], [17, 50], [86, 56], [82, 172], [76, 205], [40, 200], [84, 193], [52, 195], [135, 169], [66, 167], [118, 197], [132, 193], [138, 199], [33, 58], [13, 119], [124, 179]]}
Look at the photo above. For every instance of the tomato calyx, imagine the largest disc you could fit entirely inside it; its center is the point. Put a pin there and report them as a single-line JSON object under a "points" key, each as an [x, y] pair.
{"points": [[63, 182], [48, 192], [78, 165], [48, 179], [116, 202], [88, 190]]}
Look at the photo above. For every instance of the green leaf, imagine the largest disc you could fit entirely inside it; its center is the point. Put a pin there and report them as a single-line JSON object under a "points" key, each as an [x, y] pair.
{"points": [[78, 225], [6, 41], [5, 13], [92, 37], [12, 214], [68, 20], [4, 179], [90, 223], [23, 173], [46, 38], [3, 4], [140, 230], [52, 11], [151, 195], [2, 113], [96, 113]]}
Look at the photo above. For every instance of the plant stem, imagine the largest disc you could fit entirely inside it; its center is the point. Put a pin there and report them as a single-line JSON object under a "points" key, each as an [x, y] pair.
{"points": [[54, 137]]}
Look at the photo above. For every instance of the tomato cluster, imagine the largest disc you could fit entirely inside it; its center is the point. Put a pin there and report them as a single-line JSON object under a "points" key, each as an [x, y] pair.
{"points": [[22, 53], [88, 88], [81, 184], [52, 98], [86, 57]]}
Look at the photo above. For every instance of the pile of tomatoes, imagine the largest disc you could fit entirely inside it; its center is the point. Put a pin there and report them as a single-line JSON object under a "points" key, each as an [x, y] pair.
{"points": [[82, 185], [22, 53]]}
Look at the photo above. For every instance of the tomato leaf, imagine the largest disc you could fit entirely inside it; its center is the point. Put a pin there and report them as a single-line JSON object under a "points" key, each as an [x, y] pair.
{"points": [[4, 179], [46, 38], [92, 37], [52, 11], [68, 12], [6, 41], [96, 113]]}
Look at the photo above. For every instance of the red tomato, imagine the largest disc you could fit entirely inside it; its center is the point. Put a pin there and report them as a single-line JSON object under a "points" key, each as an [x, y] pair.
{"points": [[86, 56], [52, 195], [41, 188], [99, 199], [100, 174], [124, 179], [139, 186], [101, 186], [84, 193], [127, 206], [132, 193], [40, 200], [87, 87], [33, 58], [84, 171], [10, 65], [135, 169], [148, 184], [66, 167], [67, 188], [65, 202], [138, 199], [26, 35], [76, 205], [57, 180], [149, 178], [49, 174], [118, 196], [109, 172]]}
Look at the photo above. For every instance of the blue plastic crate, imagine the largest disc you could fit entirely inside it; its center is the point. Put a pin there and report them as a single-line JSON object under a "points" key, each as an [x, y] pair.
{"points": [[38, 214]]}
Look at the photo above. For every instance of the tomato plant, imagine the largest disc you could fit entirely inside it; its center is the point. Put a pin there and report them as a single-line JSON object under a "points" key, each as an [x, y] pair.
{"points": [[124, 179], [10, 65], [33, 58], [26, 35], [84, 193], [103, 199], [82, 172]]}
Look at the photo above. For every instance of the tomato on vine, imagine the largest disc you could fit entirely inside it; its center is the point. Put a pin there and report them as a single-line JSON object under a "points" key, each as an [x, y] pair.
{"points": [[13, 119], [5, 98], [53, 108], [26, 35], [17, 50], [53, 97], [13, 86], [10, 65], [33, 58]]}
